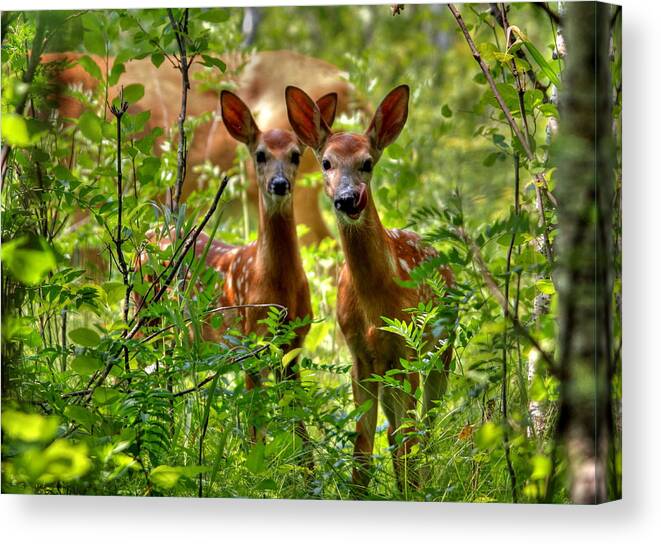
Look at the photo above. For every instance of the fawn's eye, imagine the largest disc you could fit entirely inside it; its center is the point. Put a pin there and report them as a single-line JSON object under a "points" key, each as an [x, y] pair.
{"points": [[260, 156], [367, 166], [295, 158], [325, 164]]}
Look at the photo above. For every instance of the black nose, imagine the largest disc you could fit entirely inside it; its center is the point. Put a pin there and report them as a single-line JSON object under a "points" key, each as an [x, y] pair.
{"points": [[279, 185], [347, 201]]}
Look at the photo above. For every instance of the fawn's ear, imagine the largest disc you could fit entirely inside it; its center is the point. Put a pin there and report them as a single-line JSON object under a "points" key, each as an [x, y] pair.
{"points": [[327, 105], [306, 119], [238, 119], [389, 119]]}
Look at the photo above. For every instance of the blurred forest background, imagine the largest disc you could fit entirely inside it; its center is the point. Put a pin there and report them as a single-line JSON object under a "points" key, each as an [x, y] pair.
{"points": [[174, 420]]}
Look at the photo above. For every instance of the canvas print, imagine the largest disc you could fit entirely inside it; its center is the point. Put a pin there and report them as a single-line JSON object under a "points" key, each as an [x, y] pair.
{"points": [[328, 252]]}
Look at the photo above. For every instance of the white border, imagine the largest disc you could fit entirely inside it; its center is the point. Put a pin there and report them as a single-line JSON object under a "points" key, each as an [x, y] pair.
{"points": [[635, 519]]}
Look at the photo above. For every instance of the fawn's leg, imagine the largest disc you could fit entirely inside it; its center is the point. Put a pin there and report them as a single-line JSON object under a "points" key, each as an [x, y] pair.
{"points": [[365, 429]]}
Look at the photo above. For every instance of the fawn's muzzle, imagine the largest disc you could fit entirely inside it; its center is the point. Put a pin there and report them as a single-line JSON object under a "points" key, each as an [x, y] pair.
{"points": [[351, 200], [279, 185]]}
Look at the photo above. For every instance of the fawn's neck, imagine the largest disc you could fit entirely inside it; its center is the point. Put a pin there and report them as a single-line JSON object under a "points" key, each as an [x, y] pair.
{"points": [[277, 245], [367, 251]]}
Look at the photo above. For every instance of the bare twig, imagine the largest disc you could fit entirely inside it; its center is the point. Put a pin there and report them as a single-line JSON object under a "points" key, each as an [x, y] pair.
{"points": [[124, 270], [180, 30]]}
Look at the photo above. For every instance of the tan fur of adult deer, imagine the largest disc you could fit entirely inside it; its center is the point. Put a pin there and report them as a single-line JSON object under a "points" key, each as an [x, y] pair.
{"points": [[261, 83], [367, 288], [269, 270]]}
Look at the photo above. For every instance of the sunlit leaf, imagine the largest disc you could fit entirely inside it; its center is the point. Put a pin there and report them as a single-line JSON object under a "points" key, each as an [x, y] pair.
{"points": [[29, 262], [29, 427], [488, 436], [18, 131], [290, 356]]}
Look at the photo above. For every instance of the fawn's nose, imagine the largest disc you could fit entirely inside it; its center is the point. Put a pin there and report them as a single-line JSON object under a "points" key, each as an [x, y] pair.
{"points": [[345, 201], [350, 201], [279, 185]]}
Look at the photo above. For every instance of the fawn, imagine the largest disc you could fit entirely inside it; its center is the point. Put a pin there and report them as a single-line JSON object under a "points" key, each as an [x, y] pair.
{"points": [[375, 258], [269, 270]]}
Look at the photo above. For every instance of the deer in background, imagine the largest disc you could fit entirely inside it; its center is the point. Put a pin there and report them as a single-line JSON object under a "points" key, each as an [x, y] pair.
{"points": [[376, 258], [261, 82], [269, 270]]}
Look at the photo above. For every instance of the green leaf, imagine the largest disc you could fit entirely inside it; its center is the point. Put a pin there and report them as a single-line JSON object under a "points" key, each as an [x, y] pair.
{"points": [[214, 15], [488, 436], [27, 263], [86, 365], [214, 62], [115, 291], [541, 467], [290, 356], [85, 337], [541, 61], [105, 395], [118, 69], [62, 461], [165, 476], [545, 286], [157, 58], [91, 67], [29, 427], [80, 415], [503, 57], [255, 460], [91, 126], [94, 42], [18, 131], [446, 111], [133, 92]]}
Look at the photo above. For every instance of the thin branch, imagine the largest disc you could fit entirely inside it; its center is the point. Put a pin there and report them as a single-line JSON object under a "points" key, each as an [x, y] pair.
{"points": [[506, 311], [539, 178], [180, 32], [492, 83], [118, 112]]}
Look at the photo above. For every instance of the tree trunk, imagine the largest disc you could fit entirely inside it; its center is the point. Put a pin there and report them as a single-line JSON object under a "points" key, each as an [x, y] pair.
{"points": [[585, 265]]}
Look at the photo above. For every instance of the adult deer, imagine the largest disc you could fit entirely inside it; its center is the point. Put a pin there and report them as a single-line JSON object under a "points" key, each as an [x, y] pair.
{"points": [[368, 289], [269, 270], [259, 78]]}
